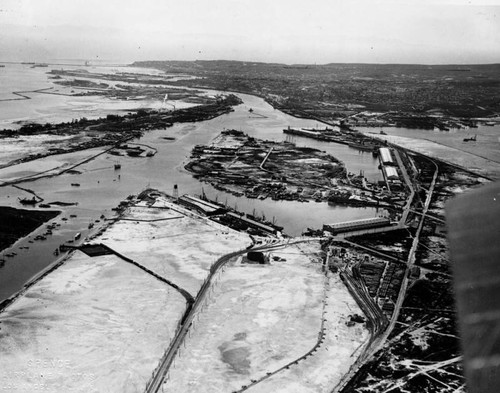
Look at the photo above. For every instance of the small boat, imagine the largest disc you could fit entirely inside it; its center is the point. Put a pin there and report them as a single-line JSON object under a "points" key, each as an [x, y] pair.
{"points": [[117, 166], [91, 225], [75, 184], [73, 215], [78, 236], [471, 139]]}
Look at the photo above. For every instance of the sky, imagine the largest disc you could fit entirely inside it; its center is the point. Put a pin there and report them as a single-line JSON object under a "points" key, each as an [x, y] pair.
{"points": [[283, 31]]}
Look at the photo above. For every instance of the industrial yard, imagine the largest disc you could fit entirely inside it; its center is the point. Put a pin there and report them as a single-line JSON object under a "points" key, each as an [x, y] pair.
{"points": [[240, 164]]}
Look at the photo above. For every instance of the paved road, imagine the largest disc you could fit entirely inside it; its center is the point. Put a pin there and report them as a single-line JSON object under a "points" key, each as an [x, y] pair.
{"points": [[411, 262], [408, 182], [261, 166], [161, 371]]}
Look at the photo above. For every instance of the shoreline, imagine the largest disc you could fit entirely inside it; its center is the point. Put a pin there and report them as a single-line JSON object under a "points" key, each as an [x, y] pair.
{"points": [[4, 303], [136, 124], [14, 216]]}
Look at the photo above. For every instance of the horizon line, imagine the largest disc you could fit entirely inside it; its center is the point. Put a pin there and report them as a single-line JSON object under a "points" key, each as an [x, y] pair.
{"points": [[130, 63]]}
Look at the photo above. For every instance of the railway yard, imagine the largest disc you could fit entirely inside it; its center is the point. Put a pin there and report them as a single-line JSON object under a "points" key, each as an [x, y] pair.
{"points": [[406, 273]]}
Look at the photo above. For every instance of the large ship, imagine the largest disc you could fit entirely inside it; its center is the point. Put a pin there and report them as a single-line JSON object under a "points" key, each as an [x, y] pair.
{"points": [[322, 136], [28, 201], [364, 146], [134, 152], [317, 129]]}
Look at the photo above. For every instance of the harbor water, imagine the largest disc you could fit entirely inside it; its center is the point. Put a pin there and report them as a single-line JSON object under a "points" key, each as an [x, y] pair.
{"points": [[102, 187]]}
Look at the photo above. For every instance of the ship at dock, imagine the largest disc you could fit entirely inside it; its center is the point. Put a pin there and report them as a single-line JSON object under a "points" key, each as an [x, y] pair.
{"points": [[28, 201], [324, 134], [318, 129], [364, 146]]}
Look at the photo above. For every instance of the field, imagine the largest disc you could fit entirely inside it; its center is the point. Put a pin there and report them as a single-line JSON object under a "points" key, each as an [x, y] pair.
{"points": [[275, 327], [92, 325]]}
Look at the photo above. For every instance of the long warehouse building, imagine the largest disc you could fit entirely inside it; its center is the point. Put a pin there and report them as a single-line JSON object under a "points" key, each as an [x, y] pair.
{"points": [[391, 173], [202, 206], [357, 225], [385, 156]]}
